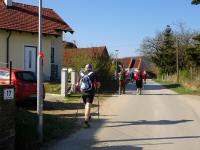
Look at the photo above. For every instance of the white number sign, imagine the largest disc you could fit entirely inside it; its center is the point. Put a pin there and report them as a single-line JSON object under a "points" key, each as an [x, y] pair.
{"points": [[8, 94]]}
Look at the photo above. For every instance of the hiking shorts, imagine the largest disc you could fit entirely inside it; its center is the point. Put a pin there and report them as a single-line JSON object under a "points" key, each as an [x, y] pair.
{"points": [[122, 83], [139, 83], [88, 98]]}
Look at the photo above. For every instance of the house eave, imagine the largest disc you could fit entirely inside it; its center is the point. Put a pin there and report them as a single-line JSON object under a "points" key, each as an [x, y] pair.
{"points": [[50, 34]]}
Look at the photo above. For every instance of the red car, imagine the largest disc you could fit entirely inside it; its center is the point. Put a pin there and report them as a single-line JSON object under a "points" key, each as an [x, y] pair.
{"points": [[25, 83]]}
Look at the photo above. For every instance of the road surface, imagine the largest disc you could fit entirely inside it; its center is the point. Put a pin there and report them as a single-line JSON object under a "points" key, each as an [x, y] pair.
{"points": [[159, 119]]}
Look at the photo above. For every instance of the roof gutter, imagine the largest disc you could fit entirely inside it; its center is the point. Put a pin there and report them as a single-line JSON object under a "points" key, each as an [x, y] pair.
{"points": [[8, 43]]}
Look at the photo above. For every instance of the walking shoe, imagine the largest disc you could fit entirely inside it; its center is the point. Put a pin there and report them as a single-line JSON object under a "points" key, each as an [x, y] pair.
{"points": [[86, 124], [90, 117]]}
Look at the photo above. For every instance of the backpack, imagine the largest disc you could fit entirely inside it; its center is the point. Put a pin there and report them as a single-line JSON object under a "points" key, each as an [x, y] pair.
{"points": [[121, 75], [85, 82], [132, 75], [139, 76]]}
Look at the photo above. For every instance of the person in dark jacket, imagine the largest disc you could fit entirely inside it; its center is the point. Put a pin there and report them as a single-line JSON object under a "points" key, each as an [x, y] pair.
{"points": [[122, 81], [139, 81]]}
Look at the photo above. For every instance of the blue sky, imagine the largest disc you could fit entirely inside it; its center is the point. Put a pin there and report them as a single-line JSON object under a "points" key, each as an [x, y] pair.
{"points": [[121, 24]]}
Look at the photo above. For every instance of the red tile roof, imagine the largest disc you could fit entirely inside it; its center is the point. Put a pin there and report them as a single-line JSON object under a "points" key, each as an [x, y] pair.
{"points": [[125, 61], [22, 17], [131, 63], [70, 54], [138, 63]]}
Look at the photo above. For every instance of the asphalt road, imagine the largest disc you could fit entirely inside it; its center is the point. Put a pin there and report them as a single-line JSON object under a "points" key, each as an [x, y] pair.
{"points": [[157, 120]]}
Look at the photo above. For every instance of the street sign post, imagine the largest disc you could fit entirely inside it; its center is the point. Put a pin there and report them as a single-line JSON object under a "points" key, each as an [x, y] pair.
{"points": [[40, 77]]}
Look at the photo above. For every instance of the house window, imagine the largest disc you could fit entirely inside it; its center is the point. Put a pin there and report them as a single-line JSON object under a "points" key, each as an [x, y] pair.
{"points": [[52, 55]]}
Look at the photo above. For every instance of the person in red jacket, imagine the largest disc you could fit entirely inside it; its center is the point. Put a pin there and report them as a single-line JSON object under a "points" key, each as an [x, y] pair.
{"points": [[139, 81], [144, 76]]}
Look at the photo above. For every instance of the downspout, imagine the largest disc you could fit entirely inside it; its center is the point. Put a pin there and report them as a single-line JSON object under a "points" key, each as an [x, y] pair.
{"points": [[8, 41]]}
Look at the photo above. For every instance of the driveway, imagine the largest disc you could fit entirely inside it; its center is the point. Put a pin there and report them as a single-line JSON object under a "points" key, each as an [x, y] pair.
{"points": [[159, 119]]}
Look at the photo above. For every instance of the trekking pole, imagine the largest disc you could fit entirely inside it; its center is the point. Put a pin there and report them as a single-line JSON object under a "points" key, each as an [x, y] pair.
{"points": [[98, 101], [77, 109], [76, 114]]}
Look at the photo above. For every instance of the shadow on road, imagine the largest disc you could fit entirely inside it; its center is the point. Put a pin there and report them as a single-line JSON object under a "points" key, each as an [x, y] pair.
{"points": [[160, 87], [132, 86], [52, 105], [131, 89], [159, 94], [123, 147], [149, 139], [146, 122]]}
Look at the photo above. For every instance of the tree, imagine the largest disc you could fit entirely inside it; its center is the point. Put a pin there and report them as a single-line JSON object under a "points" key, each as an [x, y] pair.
{"points": [[184, 40], [195, 2], [165, 55], [182, 37], [193, 54], [105, 70], [102, 65], [150, 45]]}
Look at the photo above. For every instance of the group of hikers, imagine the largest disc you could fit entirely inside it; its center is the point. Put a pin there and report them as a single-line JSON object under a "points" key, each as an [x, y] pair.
{"points": [[89, 84], [138, 77]]}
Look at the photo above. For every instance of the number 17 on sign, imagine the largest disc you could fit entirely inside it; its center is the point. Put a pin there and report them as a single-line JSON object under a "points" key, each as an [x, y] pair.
{"points": [[8, 94]]}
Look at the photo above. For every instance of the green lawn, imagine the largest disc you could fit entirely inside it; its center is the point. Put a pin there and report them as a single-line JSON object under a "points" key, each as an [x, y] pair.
{"points": [[55, 126], [53, 88], [59, 121], [178, 88]]}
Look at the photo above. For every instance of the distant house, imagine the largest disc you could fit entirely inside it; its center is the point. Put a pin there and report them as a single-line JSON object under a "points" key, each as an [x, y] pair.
{"points": [[19, 37], [125, 61], [71, 55], [138, 63], [135, 64], [69, 45], [131, 63]]}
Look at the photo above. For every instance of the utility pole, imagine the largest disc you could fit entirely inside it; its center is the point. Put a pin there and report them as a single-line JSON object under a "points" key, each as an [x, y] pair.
{"points": [[116, 67], [177, 62], [116, 53], [40, 77]]}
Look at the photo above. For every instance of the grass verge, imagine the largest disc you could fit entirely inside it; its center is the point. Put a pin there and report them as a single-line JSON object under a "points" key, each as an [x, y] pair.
{"points": [[59, 121], [180, 89], [53, 88], [55, 127]]}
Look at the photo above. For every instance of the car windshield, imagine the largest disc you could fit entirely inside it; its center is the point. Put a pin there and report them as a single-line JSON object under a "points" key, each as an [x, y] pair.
{"points": [[26, 76], [4, 74]]}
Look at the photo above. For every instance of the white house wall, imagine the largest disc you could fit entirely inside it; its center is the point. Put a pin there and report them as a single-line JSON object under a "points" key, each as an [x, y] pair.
{"points": [[18, 41], [3, 36]]}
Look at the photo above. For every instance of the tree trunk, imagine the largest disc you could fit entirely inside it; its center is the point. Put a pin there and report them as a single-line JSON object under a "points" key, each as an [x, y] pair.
{"points": [[191, 75], [198, 74]]}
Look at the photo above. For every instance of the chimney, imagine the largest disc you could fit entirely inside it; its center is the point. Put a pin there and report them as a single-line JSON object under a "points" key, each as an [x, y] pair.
{"points": [[8, 2]]}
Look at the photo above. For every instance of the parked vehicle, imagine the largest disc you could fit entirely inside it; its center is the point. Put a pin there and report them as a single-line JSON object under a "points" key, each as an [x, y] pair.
{"points": [[25, 83]]}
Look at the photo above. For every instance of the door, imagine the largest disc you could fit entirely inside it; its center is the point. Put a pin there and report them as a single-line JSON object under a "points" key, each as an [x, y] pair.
{"points": [[30, 60]]}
